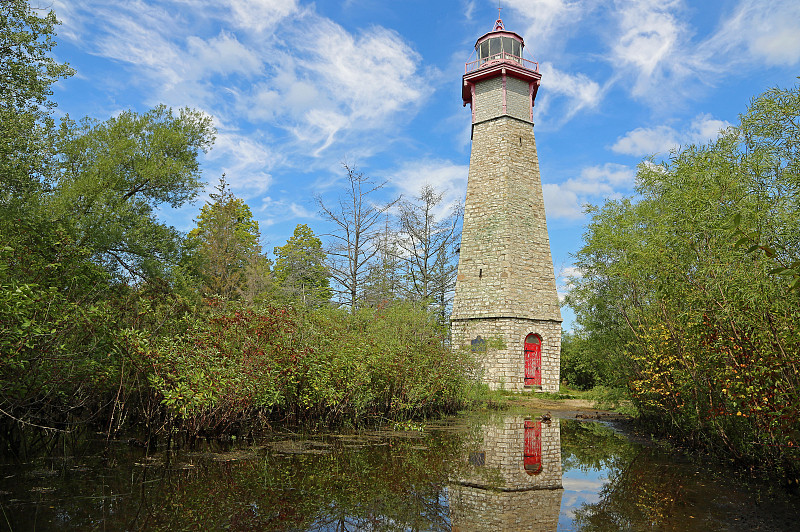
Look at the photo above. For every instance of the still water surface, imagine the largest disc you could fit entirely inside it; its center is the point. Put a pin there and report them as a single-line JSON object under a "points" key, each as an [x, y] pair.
{"points": [[504, 472]]}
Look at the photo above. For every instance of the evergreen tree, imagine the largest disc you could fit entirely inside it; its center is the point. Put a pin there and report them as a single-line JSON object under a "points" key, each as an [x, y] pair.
{"points": [[227, 243], [300, 271]]}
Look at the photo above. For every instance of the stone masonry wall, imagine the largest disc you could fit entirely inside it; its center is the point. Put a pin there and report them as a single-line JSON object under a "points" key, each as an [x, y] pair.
{"points": [[518, 99], [505, 267], [488, 101], [477, 510], [505, 287], [500, 494], [505, 368]]}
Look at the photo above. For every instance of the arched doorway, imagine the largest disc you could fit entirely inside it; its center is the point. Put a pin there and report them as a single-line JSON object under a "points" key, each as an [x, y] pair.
{"points": [[533, 360], [532, 457]]}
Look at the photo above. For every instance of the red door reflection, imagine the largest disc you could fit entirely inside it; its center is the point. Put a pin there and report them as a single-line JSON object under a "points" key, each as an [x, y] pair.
{"points": [[533, 447]]}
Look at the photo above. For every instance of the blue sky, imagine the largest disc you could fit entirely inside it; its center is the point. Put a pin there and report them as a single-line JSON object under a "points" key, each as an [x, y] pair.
{"points": [[296, 88]]}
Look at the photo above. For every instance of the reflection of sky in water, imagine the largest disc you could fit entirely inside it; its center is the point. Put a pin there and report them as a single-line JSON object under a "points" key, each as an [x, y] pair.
{"points": [[580, 487]]}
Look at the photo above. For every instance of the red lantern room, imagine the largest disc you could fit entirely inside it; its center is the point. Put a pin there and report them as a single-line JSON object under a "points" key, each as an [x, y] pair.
{"points": [[499, 55]]}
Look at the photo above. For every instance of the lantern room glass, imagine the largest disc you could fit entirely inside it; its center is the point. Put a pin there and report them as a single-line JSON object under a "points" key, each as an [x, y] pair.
{"points": [[500, 49]]}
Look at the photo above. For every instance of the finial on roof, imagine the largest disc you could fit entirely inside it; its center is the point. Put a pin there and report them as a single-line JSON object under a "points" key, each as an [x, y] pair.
{"points": [[498, 24]]}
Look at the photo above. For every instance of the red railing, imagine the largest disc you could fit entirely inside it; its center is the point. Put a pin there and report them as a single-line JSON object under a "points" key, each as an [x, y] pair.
{"points": [[500, 58]]}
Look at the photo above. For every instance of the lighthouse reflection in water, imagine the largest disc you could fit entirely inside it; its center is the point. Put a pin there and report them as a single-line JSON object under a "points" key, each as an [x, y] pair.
{"points": [[513, 478]]}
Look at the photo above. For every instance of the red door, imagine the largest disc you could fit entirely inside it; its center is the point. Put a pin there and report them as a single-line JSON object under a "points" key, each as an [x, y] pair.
{"points": [[532, 457], [533, 360]]}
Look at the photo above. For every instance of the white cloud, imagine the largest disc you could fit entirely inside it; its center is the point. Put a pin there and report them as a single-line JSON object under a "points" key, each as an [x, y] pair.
{"points": [[590, 485], [469, 9], [705, 128], [245, 161], [649, 34], [647, 141], [444, 176], [372, 75], [655, 46], [272, 211], [264, 63], [760, 31], [260, 15], [547, 21], [578, 90], [561, 202], [564, 280], [660, 140], [224, 55], [566, 200]]}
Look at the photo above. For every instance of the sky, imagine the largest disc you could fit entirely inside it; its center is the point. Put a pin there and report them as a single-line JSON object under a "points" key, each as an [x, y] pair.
{"points": [[298, 88]]}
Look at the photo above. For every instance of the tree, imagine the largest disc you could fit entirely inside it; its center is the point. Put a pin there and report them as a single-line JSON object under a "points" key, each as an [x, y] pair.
{"points": [[428, 247], [300, 270], [353, 244], [703, 331], [383, 281], [27, 73], [771, 131], [259, 282], [227, 243], [114, 175]]}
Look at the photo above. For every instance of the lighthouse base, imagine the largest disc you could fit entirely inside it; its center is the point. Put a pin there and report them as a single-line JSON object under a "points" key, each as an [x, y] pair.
{"points": [[505, 367]]}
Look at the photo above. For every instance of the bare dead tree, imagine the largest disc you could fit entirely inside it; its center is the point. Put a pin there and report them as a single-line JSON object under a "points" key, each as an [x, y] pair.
{"points": [[353, 243], [429, 243], [383, 281]]}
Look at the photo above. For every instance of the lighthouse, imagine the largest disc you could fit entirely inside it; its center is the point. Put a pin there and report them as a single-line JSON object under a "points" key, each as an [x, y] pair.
{"points": [[505, 288]]}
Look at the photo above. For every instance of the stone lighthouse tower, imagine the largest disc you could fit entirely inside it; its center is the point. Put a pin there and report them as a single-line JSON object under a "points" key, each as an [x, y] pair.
{"points": [[506, 286]]}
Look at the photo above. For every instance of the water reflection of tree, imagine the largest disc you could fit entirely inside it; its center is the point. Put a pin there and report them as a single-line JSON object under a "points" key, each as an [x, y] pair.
{"points": [[625, 501], [641, 494], [636, 495], [593, 446], [394, 485], [641, 491]]}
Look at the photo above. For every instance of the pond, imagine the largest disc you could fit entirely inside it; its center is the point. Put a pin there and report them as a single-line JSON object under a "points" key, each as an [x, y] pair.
{"points": [[498, 472]]}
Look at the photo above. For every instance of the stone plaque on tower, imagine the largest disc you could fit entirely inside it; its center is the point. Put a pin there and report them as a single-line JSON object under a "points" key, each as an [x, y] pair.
{"points": [[506, 286]]}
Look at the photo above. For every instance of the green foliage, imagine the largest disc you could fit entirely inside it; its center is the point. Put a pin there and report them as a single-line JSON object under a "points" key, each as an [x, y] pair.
{"points": [[27, 72], [580, 364], [770, 129], [325, 364], [226, 242], [114, 175], [56, 330], [77, 227], [703, 331], [300, 270]]}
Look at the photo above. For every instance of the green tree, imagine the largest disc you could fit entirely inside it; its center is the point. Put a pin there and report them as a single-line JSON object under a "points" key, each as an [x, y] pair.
{"points": [[771, 131], [703, 332], [114, 175], [300, 271], [27, 72], [227, 243]]}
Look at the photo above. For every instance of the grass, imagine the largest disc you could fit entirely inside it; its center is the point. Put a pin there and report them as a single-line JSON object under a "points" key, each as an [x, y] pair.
{"points": [[501, 399], [601, 398]]}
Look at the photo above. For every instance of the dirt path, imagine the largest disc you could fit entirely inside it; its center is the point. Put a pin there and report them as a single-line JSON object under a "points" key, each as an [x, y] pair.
{"points": [[567, 408]]}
